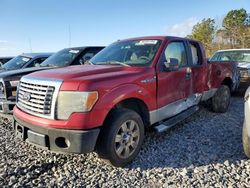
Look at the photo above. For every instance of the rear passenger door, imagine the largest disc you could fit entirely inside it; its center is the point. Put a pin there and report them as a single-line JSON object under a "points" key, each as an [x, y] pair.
{"points": [[198, 67]]}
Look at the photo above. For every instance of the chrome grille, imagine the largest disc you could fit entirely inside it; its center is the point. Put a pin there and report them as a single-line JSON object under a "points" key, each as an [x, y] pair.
{"points": [[37, 96]]}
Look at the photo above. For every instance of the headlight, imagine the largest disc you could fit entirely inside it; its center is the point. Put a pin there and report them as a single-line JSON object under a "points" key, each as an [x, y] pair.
{"points": [[74, 101], [1, 88], [14, 83]]}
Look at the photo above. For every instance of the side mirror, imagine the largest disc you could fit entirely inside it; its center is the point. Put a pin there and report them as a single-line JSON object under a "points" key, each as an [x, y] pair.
{"points": [[172, 65]]}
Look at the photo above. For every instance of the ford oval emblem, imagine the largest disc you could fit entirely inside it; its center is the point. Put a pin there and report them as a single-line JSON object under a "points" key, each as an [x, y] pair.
{"points": [[26, 96]]}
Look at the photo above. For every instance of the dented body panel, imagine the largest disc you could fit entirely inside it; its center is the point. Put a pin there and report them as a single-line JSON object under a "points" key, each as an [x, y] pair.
{"points": [[162, 94]]}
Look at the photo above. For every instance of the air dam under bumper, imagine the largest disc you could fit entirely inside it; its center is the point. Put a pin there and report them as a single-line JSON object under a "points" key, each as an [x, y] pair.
{"points": [[57, 140]]}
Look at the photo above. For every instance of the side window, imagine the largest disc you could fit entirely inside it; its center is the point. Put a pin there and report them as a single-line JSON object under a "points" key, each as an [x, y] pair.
{"points": [[196, 54], [177, 51], [36, 62], [86, 56]]}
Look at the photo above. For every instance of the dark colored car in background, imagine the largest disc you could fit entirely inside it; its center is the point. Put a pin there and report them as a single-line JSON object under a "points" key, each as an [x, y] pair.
{"points": [[242, 58], [25, 60], [4, 60], [66, 57]]}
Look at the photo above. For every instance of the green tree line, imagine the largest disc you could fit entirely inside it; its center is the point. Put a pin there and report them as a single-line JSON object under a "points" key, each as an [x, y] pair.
{"points": [[234, 33]]}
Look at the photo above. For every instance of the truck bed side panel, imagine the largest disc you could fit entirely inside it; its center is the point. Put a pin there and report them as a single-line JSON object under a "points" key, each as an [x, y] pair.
{"points": [[218, 72]]}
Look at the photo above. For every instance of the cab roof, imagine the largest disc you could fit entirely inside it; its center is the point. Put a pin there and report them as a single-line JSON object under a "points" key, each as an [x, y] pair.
{"points": [[159, 38]]}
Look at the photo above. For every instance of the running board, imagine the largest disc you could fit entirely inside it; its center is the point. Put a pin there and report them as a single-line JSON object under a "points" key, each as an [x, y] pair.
{"points": [[166, 125]]}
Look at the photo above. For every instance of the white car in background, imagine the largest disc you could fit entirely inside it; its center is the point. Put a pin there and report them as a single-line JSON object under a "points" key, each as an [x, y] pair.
{"points": [[246, 124]]}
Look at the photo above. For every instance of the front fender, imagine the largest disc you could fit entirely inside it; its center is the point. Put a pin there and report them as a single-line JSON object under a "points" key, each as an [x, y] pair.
{"points": [[123, 92]]}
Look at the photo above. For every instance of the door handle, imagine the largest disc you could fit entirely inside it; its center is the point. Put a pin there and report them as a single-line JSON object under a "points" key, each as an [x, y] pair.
{"points": [[188, 75], [218, 72]]}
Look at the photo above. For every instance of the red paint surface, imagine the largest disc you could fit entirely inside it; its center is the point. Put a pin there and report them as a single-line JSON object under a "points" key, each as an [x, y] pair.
{"points": [[117, 83]]}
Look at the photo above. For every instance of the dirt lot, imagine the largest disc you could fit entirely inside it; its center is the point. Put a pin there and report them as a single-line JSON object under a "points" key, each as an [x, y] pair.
{"points": [[205, 150]]}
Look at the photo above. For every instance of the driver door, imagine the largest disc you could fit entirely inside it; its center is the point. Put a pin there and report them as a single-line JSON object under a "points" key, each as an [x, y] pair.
{"points": [[173, 86]]}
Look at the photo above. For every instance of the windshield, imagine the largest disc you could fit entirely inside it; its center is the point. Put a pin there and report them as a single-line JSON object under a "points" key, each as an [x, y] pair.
{"points": [[16, 63], [128, 53], [238, 56], [61, 58]]}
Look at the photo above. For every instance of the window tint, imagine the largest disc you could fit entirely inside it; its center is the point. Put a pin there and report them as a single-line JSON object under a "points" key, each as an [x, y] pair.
{"points": [[176, 50], [37, 62]]}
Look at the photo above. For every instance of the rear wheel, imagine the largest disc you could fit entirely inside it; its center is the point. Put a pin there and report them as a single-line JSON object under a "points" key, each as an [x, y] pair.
{"points": [[221, 100], [121, 138], [245, 140]]}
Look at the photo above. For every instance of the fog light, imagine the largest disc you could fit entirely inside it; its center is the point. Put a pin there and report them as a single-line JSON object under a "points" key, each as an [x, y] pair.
{"points": [[62, 142]]}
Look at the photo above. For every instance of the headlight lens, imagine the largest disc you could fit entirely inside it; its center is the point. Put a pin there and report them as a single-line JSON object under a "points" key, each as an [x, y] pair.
{"points": [[72, 101], [1, 88], [14, 83]]}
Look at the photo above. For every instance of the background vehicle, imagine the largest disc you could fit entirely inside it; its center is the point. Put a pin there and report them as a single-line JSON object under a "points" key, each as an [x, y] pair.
{"points": [[3, 60], [242, 58], [131, 85], [66, 57], [25, 60], [246, 124]]}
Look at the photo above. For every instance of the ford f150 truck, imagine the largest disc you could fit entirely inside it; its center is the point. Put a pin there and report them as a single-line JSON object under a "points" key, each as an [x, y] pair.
{"points": [[66, 57], [131, 85]]}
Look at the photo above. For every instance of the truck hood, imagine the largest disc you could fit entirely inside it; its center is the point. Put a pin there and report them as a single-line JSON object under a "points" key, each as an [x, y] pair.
{"points": [[80, 71], [92, 76], [10, 75], [244, 65]]}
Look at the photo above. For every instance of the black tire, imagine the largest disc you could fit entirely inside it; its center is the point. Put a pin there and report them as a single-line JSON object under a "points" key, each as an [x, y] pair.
{"points": [[245, 140], [221, 100], [107, 144]]}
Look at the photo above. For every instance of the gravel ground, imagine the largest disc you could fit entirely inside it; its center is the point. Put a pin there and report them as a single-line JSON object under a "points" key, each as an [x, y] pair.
{"points": [[203, 151]]}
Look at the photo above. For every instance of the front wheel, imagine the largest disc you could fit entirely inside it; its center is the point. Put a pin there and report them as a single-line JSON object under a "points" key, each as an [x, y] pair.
{"points": [[121, 137], [221, 99]]}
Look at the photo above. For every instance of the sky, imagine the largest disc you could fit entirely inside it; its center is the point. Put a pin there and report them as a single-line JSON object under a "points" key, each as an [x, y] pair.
{"points": [[50, 25]]}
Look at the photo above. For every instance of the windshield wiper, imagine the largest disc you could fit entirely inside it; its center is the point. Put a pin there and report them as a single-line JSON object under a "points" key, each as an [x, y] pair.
{"points": [[48, 65], [88, 63], [112, 63]]}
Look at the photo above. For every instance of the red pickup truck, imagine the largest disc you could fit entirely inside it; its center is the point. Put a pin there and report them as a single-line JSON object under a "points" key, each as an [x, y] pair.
{"points": [[128, 87]]}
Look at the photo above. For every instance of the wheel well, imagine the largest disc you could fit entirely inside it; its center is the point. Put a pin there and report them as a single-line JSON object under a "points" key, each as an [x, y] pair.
{"points": [[136, 105], [228, 81]]}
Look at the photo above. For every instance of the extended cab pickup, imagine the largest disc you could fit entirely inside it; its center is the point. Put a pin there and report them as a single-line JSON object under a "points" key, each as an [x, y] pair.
{"points": [[131, 85], [65, 57]]}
